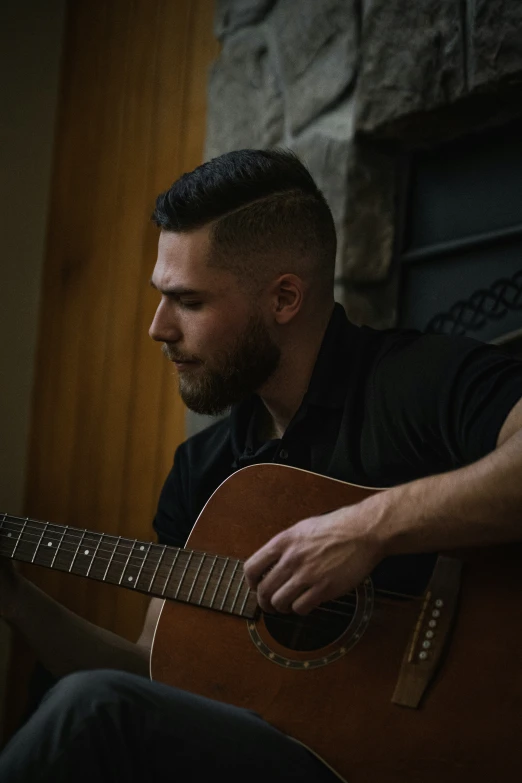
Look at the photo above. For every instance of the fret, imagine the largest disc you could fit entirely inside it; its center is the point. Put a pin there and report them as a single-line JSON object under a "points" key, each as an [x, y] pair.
{"points": [[201, 561], [183, 574], [19, 538], [42, 555], [229, 585], [156, 569], [244, 612], [219, 582], [67, 550], [100, 539], [174, 561], [181, 567], [245, 599], [30, 539], [163, 566], [145, 557], [119, 561], [127, 562], [133, 567], [77, 550], [39, 542], [58, 548], [48, 547], [84, 560], [207, 580], [6, 537], [151, 559], [104, 577], [225, 582], [236, 596]]}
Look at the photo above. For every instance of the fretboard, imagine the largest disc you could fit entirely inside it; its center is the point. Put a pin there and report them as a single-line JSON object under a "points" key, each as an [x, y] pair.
{"points": [[199, 578]]}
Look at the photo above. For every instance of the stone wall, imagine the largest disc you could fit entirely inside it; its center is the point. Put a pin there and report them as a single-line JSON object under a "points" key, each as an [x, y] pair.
{"points": [[350, 85]]}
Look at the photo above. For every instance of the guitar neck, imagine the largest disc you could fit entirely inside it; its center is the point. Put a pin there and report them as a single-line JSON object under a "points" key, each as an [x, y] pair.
{"points": [[199, 578]]}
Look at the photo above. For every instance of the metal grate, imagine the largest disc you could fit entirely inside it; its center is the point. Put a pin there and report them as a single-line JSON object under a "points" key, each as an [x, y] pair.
{"points": [[484, 305]]}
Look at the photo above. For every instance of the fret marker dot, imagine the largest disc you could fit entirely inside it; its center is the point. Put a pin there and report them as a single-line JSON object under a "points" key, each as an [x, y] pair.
{"points": [[142, 548], [86, 552], [50, 543], [9, 535], [129, 578]]}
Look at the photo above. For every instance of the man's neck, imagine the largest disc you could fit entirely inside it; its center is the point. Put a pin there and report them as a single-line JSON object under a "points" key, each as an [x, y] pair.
{"points": [[283, 394], [266, 427]]}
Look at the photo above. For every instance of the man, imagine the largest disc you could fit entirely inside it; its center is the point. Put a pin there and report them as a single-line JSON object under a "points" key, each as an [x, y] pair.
{"points": [[245, 274]]}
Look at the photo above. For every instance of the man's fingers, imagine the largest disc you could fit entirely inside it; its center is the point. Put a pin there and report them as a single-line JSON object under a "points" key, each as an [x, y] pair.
{"points": [[271, 584], [309, 599], [260, 563], [283, 599]]}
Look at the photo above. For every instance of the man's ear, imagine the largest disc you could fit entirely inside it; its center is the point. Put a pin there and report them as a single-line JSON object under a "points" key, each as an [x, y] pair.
{"points": [[287, 296]]}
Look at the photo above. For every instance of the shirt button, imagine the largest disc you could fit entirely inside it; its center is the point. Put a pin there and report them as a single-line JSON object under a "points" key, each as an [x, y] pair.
{"points": [[283, 454]]}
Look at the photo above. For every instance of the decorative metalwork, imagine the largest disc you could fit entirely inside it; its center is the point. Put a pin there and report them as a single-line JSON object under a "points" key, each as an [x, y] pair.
{"points": [[486, 304]]}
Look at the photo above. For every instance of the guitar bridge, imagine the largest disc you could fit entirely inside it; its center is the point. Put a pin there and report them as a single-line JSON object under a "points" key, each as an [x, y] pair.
{"points": [[431, 633]]}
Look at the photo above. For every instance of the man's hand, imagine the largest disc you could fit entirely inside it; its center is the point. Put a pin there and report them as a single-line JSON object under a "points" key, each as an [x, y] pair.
{"points": [[319, 558]]}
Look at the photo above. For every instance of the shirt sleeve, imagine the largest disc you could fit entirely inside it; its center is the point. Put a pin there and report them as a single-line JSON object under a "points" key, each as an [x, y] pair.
{"points": [[443, 400], [173, 522], [487, 385]]}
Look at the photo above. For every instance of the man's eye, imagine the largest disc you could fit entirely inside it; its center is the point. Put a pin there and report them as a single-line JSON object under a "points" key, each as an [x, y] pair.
{"points": [[190, 305]]}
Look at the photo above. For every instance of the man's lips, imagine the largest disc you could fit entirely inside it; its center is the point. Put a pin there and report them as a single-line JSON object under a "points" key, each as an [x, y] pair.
{"points": [[182, 363]]}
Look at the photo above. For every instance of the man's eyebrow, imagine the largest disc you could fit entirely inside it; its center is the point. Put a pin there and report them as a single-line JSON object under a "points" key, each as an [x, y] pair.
{"points": [[176, 290]]}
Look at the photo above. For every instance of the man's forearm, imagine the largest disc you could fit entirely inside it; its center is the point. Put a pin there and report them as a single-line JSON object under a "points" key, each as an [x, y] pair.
{"points": [[323, 557], [66, 642], [473, 506]]}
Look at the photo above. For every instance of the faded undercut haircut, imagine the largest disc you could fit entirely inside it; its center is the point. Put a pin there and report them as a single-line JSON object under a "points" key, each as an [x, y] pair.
{"points": [[267, 217]]}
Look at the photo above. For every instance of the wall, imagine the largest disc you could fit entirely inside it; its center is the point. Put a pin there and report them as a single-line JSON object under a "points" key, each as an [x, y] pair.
{"points": [[106, 415], [30, 45], [352, 86]]}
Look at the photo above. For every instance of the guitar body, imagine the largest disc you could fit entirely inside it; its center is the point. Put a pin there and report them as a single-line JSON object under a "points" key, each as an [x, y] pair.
{"points": [[337, 699]]}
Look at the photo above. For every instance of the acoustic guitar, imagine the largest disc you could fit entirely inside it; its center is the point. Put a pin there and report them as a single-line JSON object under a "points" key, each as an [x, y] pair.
{"points": [[384, 684]]}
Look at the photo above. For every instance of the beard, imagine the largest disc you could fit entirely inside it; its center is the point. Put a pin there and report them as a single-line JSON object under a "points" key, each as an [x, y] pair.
{"points": [[236, 373]]}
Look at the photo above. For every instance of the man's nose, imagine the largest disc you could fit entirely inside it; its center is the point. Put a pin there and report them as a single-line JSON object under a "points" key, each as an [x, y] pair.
{"points": [[164, 328]]}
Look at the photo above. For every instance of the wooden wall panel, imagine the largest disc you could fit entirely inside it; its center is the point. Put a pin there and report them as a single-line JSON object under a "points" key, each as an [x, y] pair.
{"points": [[106, 414]]}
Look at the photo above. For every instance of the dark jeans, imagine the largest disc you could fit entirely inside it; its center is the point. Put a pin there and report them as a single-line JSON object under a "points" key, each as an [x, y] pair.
{"points": [[109, 726]]}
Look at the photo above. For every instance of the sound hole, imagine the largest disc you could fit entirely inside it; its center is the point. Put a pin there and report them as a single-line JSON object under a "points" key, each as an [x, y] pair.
{"points": [[321, 627]]}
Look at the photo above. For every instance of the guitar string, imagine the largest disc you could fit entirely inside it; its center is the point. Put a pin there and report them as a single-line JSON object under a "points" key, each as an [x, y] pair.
{"points": [[148, 571], [140, 559], [71, 535], [26, 534], [315, 620]]}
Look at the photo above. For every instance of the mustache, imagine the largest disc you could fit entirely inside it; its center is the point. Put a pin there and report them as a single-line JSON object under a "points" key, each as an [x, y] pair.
{"points": [[173, 356]]}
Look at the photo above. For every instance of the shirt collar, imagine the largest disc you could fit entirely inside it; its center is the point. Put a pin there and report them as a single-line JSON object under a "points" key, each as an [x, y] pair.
{"points": [[331, 374], [327, 388]]}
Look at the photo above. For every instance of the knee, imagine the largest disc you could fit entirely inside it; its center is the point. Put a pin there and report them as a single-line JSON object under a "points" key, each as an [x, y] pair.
{"points": [[91, 687]]}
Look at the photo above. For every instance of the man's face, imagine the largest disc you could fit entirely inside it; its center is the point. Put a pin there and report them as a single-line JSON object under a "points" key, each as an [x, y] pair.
{"points": [[210, 328]]}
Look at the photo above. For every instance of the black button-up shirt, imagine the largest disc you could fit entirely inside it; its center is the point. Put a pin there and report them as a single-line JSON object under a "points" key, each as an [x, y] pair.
{"points": [[382, 408]]}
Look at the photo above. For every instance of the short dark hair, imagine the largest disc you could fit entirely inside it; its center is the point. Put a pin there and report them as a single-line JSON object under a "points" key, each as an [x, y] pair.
{"points": [[268, 216]]}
